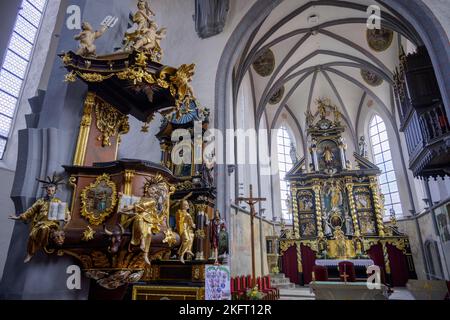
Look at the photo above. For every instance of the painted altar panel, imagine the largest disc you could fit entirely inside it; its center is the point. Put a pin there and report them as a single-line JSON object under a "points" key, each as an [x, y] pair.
{"points": [[336, 209], [329, 155], [306, 213], [365, 210]]}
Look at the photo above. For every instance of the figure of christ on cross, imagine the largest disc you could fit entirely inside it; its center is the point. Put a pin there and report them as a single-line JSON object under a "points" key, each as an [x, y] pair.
{"points": [[251, 202]]}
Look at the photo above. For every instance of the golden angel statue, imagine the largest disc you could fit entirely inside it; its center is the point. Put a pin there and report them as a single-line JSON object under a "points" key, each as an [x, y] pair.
{"points": [[44, 217], [186, 228], [88, 35], [145, 221]]}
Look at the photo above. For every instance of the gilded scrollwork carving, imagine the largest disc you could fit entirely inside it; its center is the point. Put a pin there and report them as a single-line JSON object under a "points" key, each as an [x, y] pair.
{"points": [[109, 122]]}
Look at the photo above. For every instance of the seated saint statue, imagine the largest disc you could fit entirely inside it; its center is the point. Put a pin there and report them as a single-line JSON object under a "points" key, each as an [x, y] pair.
{"points": [[186, 228], [42, 225], [145, 221]]}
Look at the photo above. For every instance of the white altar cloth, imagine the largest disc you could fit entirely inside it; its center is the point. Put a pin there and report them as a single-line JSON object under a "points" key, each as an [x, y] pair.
{"points": [[335, 262]]}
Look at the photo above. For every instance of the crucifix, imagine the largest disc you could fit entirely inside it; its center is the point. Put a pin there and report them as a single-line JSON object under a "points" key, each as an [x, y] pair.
{"points": [[251, 202], [345, 275]]}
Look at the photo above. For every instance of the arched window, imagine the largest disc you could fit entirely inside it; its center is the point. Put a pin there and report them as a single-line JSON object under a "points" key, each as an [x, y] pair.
{"points": [[383, 159], [284, 142], [15, 65]]}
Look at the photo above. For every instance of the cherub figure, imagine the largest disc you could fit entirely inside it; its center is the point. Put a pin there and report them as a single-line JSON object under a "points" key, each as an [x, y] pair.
{"points": [[146, 37], [150, 40], [87, 38]]}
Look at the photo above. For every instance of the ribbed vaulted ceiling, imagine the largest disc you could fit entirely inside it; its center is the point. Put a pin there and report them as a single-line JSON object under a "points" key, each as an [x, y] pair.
{"points": [[320, 48]]}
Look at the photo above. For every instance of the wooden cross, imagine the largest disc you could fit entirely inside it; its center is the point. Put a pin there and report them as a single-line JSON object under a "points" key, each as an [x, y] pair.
{"points": [[251, 202]]}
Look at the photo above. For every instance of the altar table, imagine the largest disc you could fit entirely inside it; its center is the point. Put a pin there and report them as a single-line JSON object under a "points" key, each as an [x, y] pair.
{"points": [[335, 262], [326, 290]]}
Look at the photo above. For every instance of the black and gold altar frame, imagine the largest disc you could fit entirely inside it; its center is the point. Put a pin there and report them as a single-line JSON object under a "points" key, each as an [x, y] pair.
{"points": [[337, 209]]}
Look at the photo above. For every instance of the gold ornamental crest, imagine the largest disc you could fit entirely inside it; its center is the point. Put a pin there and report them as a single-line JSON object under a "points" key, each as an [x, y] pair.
{"points": [[98, 200]]}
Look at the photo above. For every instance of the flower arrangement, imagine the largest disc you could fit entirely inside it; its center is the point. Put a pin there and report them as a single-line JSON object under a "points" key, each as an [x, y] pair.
{"points": [[254, 294]]}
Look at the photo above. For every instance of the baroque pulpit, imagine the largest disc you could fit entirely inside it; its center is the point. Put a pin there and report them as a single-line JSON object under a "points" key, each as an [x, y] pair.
{"points": [[133, 222]]}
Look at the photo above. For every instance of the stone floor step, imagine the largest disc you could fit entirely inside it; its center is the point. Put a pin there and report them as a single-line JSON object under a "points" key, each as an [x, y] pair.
{"points": [[285, 286], [296, 294]]}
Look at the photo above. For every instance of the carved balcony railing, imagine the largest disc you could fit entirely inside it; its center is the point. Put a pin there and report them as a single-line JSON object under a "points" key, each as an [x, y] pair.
{"points": [[423, 118]]}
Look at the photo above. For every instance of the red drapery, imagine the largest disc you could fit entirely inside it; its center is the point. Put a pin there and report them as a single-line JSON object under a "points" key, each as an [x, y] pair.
{"points": [[308, 262], [376, 254], [399, 266], [289, 264]]}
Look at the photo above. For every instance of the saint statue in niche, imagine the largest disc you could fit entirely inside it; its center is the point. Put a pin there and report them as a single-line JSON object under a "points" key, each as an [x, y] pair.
{"points": [[327, 155], [362, 145], [335, 196]]}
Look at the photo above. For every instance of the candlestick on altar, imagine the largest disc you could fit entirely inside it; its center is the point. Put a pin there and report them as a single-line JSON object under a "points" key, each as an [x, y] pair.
{"points": [[251, 202]]}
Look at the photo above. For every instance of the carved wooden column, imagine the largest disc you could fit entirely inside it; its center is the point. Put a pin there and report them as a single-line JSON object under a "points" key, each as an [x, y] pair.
{"points": [[316, 189], [349, 185], [387, 263], [299, 263], [295, 212], [377, 206], [100, 130]]}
